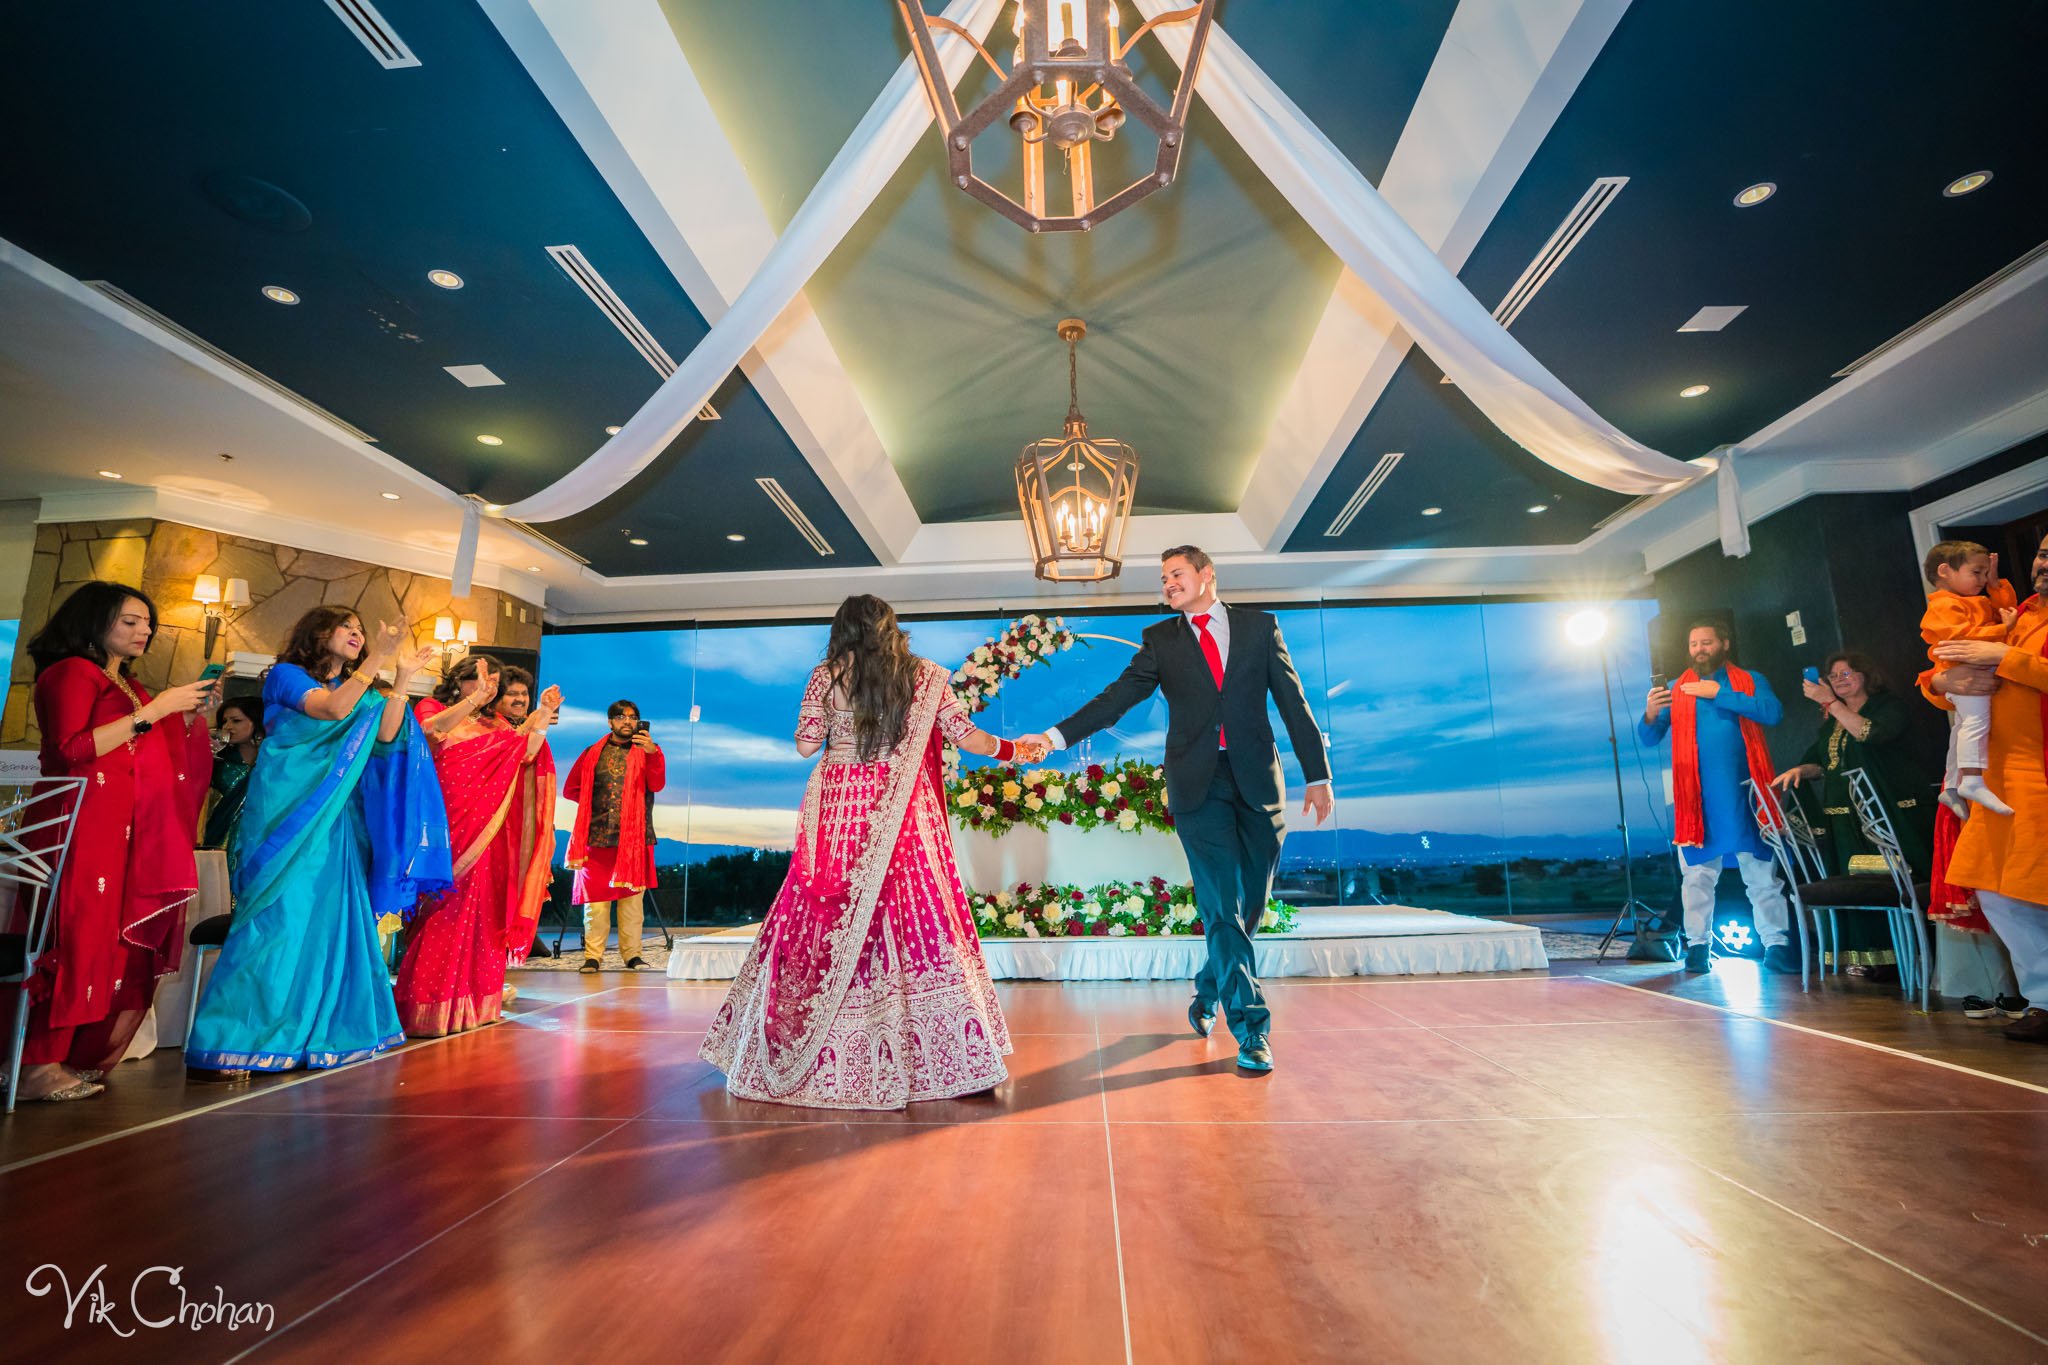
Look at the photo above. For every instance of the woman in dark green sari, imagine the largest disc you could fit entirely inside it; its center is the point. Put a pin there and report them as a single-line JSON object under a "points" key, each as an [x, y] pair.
{"points": [[1864, 726], [240, 726]]}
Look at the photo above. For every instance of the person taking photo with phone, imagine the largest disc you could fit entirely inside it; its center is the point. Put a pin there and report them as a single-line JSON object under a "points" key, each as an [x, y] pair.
{"points": [[612, 848]]}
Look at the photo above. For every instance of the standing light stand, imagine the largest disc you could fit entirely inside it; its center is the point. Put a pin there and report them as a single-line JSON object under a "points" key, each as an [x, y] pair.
{"points": [[1590, 628]]}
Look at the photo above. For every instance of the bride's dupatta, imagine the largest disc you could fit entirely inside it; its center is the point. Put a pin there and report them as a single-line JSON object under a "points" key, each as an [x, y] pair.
{"points": [[809, 966]]}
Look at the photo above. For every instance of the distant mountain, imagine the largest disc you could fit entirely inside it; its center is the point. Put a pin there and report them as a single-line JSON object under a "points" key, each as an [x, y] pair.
{"points": [[667, 852], [1326, 847]]}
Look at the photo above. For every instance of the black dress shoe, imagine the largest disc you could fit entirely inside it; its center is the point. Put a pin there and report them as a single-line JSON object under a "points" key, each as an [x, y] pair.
{"points": [[1255, 1054], [1200, 1018], [589, 967], [635, 961], [1779, 957], [2031, 1028], [1698, 958]]}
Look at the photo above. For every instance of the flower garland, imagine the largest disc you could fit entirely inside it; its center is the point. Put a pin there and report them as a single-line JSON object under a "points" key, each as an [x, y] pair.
{"points": [[1146, 909], [1030, 640], [1126, 794]]}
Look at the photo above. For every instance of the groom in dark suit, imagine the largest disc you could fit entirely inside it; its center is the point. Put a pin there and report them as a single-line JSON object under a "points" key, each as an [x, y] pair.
{"points": [[1217, 665]]}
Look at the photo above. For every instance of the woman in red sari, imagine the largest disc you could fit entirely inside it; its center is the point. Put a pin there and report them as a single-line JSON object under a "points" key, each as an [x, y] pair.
{"points": [[866, 987], [120, 906], [498, 780]]}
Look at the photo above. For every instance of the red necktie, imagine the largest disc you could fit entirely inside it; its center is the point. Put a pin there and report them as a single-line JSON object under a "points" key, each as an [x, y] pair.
{"points": [[1215, 658]]}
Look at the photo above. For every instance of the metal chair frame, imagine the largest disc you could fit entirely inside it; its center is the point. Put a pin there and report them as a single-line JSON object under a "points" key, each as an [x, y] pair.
{"points": [[1795, 848], [38, 871], [1907, 916]]}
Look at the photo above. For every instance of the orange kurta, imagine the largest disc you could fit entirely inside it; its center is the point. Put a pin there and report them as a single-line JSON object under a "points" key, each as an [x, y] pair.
{"points": [[1951, 616], [2008, 854]]}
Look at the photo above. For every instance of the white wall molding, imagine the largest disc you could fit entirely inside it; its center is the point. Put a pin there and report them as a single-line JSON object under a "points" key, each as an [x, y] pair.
{"points": [[1976, 501]]}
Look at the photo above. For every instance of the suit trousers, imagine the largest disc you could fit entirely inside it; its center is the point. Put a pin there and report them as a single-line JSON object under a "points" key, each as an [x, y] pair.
{"points": [[1232, 847]]}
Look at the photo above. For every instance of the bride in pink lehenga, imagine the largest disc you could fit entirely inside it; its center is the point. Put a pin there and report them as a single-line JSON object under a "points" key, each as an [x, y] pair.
{"points": [[866, 988]]}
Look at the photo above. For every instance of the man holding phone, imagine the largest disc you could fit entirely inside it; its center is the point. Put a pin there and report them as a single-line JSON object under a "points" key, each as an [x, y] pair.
{"points": [[612, 848]]}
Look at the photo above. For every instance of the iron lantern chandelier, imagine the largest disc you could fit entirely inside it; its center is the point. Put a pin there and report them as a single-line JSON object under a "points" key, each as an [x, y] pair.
{"points": [[1068, 87], [1075, 490]]}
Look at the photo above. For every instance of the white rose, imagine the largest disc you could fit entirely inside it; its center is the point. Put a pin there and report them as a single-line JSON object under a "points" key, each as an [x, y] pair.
{"points": [[1134, 905], [1127, 820], [1003, 899], [1269, 919], [1031, 930], [1055, 793], [1091, 910], [1117, 931], [1014, 920]]}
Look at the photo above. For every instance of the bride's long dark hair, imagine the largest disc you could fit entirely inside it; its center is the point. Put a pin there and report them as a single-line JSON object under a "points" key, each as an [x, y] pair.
{"points": [[869, 658]]}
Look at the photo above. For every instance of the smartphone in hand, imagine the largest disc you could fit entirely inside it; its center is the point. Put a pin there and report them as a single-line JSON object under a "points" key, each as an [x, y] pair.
{"points": [[1812, 674], [212, 671]]}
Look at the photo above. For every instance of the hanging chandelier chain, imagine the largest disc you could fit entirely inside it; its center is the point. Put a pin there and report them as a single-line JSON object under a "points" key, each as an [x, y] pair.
{"points": [[1073, 380]]}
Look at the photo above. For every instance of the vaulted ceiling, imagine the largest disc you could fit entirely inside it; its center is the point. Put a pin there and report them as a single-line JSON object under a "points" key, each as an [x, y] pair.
{"points": [[189, 154]]}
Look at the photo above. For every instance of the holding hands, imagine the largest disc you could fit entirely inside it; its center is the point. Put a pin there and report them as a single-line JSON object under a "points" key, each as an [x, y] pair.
{"points": [[1033, 748]]}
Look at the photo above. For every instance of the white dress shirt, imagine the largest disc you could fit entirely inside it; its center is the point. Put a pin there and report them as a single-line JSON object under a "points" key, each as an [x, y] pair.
{"points": [[1219, 631]]}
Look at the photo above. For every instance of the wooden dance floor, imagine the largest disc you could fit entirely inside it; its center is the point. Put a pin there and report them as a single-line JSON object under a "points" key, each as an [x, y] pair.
{"points": [[1537, 1168]]}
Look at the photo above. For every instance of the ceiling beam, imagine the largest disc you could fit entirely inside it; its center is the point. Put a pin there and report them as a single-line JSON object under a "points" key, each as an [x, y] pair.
{"points": [[621, 82]]}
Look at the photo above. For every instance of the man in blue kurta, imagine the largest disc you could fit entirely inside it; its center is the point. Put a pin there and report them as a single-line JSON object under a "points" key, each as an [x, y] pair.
{"points": [[1721, 741]]}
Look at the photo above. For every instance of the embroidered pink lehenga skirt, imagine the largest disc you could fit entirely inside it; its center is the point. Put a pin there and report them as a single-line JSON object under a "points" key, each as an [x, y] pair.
{"points": [[845, 1008]]}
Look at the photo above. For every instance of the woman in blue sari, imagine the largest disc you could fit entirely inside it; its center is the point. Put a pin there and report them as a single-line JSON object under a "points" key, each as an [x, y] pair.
{"points": [[343, 820]]}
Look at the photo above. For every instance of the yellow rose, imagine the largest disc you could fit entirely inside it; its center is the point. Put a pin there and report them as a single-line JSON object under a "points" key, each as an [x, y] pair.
{"points": [[1033, 803], [1011, 791], [965, 799]]}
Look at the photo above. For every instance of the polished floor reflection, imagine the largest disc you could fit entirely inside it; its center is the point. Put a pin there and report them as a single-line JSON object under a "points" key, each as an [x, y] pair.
{"points": [[1534, 1168]]}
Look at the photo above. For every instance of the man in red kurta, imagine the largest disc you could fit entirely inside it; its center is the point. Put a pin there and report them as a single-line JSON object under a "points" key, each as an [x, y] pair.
{"points": [[612, 849], [2004, 858]]}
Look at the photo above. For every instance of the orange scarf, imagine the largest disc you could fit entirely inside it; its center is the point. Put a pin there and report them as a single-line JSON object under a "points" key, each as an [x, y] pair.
{"points": [[1691, 821], [633, 864]]}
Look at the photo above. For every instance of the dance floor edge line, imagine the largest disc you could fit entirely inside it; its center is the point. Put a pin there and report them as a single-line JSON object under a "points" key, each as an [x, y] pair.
{"points": [[1823, 1033], [1116, 1222]]}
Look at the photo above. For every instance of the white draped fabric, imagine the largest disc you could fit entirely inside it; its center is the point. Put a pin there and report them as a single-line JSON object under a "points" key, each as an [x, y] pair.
{"points": [[1517, 394], [870, 158]]}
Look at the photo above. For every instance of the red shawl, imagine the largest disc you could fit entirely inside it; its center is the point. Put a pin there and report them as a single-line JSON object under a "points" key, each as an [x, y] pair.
{"points": [[1691, 824], [1956, 906], [493, 791], [633, 865]]}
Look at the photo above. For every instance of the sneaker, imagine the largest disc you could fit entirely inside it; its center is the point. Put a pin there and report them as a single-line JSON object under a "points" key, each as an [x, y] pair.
{"points": [[1977, 1007], [1698, 958], [1779, 957], [2033, 1028], [2011, 1006], [589, 967]]}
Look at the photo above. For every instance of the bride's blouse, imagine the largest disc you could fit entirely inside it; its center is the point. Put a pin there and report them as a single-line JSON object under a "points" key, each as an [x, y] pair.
{"points": [[824, 715]]}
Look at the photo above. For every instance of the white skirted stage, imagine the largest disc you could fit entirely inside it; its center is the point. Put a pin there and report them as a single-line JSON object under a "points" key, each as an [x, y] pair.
{"points": [[1364, 940]]}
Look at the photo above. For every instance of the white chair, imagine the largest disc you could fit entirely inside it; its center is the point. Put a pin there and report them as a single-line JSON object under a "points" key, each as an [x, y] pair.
{"points": [[36, 828], [1796, 849], [1906, 905]]}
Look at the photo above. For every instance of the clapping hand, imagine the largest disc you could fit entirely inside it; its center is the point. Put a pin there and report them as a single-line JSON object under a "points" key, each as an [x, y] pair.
{"points": [[486, 689], [409, 663]]}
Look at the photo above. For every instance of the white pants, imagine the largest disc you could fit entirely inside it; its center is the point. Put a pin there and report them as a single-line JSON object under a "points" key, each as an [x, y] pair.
{"points": [[1759, 878], [2023, 925], [1970, 964], [1969, 734]]}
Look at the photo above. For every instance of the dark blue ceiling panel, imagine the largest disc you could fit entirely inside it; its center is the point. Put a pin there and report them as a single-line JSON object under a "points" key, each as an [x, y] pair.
{"points": [[1860, 125], [192, 154]]}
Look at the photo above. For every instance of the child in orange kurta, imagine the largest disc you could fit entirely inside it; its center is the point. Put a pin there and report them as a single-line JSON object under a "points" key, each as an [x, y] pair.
{"points": [[1969, 602]]}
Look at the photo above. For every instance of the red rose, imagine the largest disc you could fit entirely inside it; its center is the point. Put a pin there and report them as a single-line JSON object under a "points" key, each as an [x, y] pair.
{"points": [[1038, 790], [1023, 888], [1009, 810], [1094, 772], [1137, 783], [1089, 798], [1159, 881], [1169, 819], [1077, 895], [1073, 928], [1140, 930], [1198, 926], [1123, 803], [1148, 807], [1101, 929], [987, 798], [1066, 817]]}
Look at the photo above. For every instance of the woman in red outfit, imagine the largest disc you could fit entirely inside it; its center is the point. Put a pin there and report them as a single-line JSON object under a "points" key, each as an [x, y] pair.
{"points": [[120, 907]]}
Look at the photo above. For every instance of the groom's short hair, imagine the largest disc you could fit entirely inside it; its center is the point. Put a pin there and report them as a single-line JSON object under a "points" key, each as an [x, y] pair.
{"points": [[1193, 554]]}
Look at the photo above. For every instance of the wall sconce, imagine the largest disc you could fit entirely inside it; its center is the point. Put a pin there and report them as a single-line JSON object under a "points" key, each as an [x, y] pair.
{"points": [[453, 638], [219, 605]]}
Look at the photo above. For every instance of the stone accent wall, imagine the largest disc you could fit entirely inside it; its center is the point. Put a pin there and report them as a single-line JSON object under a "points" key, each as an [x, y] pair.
{"points": [[163, 557]]}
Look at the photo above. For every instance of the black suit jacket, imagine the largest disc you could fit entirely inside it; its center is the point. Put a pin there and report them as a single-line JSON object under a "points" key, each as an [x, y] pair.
{"points": [[1170, 660]]}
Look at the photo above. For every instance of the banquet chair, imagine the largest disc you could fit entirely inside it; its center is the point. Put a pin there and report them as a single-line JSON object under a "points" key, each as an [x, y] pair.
{"points": [[49, 811], [215, 906], [1796, 849]]}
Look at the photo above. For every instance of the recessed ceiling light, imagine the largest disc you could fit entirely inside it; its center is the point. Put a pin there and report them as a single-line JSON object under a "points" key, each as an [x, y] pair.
{"points": [[734, 535], [109, 474], [611, 431], [1963, 184], [1692, 391], [489, 440], [635, 540], [1432, 511], [447, 279], [1755, 194], [389, 497], [1540, 507], [533, 568], [277, 293]]}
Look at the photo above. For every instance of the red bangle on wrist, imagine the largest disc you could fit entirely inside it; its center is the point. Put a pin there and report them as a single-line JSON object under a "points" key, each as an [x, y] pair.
{"points": [[1006, 750]]}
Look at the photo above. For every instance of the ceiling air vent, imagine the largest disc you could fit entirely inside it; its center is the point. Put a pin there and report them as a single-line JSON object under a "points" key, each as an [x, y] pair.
{"points": [[585, 275], [786, 505], [370, 29], [1356, 503], [199, 343], [1961, 300], [1569, 234]]}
